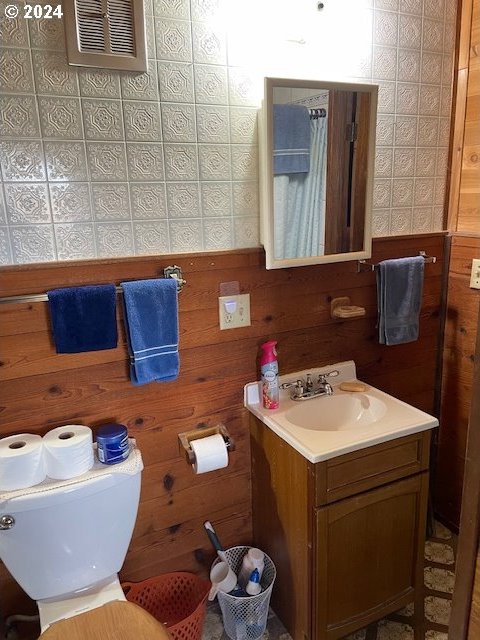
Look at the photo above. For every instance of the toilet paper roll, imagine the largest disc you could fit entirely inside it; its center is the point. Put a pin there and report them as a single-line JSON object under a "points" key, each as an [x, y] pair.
{"points": [[210, 453], [22, 462], [68, 451]]}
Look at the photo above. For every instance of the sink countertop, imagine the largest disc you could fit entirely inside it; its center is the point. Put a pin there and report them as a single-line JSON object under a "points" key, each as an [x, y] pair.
{"points": [[316, 445]]}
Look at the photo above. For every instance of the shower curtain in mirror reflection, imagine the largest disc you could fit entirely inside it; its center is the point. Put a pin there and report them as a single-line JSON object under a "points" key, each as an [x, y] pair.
{"points": [[299, 202]]}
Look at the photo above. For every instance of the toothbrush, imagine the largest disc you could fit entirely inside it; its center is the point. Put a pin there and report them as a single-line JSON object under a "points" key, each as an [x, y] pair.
{"points": [[215, 541]]}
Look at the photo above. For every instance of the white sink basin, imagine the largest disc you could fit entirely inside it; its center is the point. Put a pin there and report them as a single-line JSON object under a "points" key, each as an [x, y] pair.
{"points": [[337, 412], [327, 426]]}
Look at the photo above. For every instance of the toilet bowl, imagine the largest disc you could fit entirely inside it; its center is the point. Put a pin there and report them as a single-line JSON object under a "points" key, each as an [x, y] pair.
{"points": [[65, 542]]}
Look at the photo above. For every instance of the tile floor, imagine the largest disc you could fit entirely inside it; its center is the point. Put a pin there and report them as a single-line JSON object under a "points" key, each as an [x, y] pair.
{"points": [[439, 580]]}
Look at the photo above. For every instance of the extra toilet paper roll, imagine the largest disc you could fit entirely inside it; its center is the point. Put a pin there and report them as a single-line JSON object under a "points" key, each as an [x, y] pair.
{"points": [[210, 453], [22, 462], [68, 451]]}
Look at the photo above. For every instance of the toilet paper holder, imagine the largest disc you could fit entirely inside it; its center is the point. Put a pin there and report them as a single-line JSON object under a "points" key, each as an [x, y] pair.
{"points": [[185, 438]]}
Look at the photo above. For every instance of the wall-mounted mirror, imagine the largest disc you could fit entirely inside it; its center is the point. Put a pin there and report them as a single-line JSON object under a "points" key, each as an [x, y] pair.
{"points": [[317, 143]]}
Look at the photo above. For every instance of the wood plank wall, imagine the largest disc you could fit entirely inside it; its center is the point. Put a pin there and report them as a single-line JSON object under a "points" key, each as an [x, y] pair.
{"points": [[468, 219], [462, 304], [460, 87], [455, 490], [41, 390], [458, 366], [474, 621]]}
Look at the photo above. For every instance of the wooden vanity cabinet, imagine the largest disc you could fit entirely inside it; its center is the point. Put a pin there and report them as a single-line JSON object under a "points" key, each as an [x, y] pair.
{"points": [[346, 535]]}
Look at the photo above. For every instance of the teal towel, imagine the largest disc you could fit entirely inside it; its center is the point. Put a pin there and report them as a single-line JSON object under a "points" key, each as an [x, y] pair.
{"points": [[151, 318], [83, 318], [399, 296]]}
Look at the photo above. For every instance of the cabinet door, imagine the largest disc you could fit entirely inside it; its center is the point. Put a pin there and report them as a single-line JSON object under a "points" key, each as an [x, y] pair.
{"points": [[368, 555]]}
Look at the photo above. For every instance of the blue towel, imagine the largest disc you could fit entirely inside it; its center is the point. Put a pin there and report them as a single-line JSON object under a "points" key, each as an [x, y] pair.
{"points": [[291, 139], [151, 318], [83, 318], [399, 295]]}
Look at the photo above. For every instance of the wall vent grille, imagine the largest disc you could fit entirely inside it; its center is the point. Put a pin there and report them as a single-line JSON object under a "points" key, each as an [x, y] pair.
{"points": [[106, 34], [91, 25], [120, 17]]}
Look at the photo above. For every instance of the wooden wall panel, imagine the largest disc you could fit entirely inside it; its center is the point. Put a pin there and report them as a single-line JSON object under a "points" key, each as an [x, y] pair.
{"points": [[474, 622], [40, 389], [465, 594], [469, 202], [459, 356], [458, 367], [462, 307]]}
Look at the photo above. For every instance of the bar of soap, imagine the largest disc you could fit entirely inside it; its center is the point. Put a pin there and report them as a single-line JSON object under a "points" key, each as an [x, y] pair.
{"points": [[352, 386]]}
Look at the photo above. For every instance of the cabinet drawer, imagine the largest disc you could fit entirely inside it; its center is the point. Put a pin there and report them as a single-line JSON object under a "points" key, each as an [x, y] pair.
{"points": [[366, 469]]}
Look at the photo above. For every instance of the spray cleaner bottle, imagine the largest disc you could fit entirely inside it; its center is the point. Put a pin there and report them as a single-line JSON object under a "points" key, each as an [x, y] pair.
{"points": [[269, 371]]}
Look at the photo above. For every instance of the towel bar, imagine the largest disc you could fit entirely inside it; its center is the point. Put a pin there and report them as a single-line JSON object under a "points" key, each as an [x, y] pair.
{"points": [[175, 272], [363, 265], [169, 272]]}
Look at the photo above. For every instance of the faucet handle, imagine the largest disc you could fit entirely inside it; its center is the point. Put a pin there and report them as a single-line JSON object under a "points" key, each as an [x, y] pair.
{"points": [[291, 383], [297, 387], [330, 374]]}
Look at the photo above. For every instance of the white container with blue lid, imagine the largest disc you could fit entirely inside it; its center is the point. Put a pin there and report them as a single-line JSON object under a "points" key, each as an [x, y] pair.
{"points": [[112, 443]]}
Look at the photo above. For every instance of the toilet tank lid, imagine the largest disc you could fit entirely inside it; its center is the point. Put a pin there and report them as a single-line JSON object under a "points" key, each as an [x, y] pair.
{"points": [[98, 478]]}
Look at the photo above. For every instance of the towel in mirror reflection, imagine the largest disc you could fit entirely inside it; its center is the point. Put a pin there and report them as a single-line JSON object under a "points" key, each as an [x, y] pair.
{"points": [[299, 202]]}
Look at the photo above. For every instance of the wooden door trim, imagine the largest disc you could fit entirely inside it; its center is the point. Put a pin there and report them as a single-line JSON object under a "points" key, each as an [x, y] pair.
{"points": [[459, 105], [469, 517]]}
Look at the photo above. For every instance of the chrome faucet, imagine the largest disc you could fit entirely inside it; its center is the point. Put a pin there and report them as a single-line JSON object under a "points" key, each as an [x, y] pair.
{"points": [[309, 382], [298, 388], [323, 384], [307, 389]]}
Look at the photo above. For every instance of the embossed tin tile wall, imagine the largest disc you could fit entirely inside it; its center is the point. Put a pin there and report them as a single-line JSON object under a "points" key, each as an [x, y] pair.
{"points": [[99, 163]]}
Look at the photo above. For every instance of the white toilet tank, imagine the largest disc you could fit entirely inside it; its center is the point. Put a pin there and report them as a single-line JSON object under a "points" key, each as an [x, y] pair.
{"points": [[71, 535]]}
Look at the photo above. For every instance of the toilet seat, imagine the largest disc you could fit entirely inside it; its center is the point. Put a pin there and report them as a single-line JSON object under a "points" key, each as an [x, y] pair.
{"points": [[113, 621]]}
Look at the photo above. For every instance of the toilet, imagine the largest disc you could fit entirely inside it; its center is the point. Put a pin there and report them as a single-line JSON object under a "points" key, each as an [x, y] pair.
{"points": [[65, 541]]}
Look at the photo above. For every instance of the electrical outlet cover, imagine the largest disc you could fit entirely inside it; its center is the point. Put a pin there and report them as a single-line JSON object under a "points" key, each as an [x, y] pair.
{"points": [[475, 277], [234, 311]]}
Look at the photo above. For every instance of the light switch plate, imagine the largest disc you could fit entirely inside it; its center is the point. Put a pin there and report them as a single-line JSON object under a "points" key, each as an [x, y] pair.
{"points": [[475, 277], [234, 311]]}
